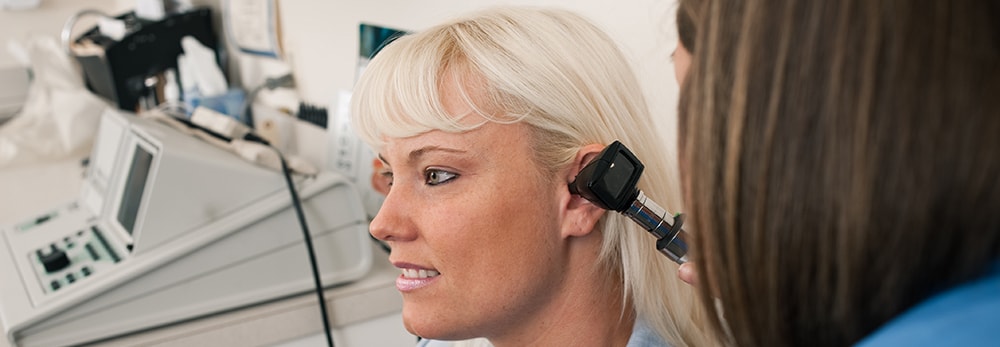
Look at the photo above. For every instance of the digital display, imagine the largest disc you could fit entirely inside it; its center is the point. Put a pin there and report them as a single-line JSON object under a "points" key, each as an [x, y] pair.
{"points": [[135, 183]]}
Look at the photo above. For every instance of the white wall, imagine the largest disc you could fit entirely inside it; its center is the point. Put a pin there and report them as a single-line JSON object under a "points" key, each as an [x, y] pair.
{"points": [[321, 39]]}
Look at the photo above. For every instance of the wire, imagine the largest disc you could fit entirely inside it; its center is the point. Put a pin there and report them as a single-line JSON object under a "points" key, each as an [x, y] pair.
{"points": [[211, 136], [309, 247]]}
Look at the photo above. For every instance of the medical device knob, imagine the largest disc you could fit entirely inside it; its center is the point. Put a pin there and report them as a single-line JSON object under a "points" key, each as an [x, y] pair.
{"points": [[54, 260]]}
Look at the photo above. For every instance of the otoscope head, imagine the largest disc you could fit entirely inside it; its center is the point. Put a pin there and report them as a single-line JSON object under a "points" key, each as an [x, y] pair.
{"points": [[610, 179]]}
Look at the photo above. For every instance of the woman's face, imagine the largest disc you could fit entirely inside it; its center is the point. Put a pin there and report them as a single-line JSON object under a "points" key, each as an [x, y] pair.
{"points": [[474, 228], [682, 61]]}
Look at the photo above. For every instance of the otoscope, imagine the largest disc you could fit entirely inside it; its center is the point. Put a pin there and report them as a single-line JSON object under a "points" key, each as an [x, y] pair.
{"points": [[609, 181]]}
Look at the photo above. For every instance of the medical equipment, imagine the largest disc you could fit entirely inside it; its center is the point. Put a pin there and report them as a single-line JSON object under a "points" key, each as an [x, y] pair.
{"points": [[610, 182], [128, 70], [167, 228]]}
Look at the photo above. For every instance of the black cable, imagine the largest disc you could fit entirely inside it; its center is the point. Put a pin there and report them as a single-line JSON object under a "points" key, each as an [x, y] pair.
{"points": [[297, 205], [309, 247]]}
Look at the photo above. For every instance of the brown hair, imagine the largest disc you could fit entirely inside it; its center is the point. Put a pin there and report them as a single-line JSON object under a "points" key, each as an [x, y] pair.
{"points": [[842, 161], [687, 12]]}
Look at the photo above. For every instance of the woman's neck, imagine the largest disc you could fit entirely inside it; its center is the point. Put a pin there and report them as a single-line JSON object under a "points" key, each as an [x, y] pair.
{"points": [[589, 309]]}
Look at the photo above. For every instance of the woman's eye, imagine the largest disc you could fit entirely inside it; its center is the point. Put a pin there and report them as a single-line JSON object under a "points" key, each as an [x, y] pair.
{"points": [[435, 177]]}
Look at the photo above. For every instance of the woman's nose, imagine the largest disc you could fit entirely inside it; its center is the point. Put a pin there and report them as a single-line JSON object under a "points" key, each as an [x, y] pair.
{"points": [[393, 222]]}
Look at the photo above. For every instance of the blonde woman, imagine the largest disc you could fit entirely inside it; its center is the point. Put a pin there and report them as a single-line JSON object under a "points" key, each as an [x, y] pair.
{"points": [[481, 124]]}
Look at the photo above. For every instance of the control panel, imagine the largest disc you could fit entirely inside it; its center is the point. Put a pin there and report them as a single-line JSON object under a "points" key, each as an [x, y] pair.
{"points": [[73, 258]]}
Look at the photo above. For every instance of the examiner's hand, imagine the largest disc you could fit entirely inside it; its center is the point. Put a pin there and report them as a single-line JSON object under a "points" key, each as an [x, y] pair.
{"points": [[687, 273]]}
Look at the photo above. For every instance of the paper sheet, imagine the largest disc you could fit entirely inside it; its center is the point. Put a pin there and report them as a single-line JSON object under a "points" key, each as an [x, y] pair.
{"points": [[252, 25]]}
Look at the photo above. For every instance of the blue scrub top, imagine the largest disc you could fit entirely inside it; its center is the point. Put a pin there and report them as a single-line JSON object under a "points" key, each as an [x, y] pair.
{"points": [[967, 315]]}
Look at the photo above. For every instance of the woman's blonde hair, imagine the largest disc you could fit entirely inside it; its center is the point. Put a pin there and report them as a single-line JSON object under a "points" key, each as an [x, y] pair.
{"points": [[566, 79]]}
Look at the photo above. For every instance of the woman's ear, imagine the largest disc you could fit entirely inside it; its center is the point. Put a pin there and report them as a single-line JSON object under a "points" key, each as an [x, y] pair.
{"points": [[580, 215]]}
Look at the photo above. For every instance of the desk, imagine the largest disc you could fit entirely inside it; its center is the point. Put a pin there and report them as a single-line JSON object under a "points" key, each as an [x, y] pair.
{"points": [[362, 313]]}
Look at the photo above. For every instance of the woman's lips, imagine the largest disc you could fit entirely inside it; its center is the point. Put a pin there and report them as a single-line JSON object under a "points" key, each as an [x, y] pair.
{"points": [[414, 277]]}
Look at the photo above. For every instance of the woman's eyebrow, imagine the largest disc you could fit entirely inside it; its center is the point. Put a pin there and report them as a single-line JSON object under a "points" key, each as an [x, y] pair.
{"points": [[420, 152]]}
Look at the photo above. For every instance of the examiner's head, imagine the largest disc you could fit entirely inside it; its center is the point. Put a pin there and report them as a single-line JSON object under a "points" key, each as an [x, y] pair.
{"points": [[842, 164]]}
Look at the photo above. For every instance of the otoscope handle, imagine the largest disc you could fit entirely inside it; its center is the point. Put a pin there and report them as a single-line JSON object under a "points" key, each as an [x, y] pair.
{"points": [[676, 247], [671, 239]]}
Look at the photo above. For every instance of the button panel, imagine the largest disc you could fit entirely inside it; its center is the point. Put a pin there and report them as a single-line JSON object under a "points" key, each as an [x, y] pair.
{"points": [[71, 259]]}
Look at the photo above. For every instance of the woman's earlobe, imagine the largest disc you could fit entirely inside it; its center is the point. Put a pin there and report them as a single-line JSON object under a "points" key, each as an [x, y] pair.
{"points": [[582, 216]]}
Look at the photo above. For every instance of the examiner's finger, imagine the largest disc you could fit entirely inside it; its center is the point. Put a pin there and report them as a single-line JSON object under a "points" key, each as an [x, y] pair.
{"points": [[688, 274]]}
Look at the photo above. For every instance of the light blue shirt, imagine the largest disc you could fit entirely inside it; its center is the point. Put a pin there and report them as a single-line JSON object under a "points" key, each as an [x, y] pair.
{"points": [[967, 315], [642, 336]]}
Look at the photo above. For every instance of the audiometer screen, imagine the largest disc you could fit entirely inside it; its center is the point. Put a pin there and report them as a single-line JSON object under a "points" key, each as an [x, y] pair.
{"points": [[135, 183]]}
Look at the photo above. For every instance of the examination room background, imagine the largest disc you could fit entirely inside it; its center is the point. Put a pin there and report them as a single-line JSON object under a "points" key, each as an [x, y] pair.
{"points": [[319, 41]]}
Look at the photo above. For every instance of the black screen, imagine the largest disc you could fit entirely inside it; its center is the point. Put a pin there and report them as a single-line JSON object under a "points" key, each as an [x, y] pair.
{"points": [[135, 183], [374, 38]]}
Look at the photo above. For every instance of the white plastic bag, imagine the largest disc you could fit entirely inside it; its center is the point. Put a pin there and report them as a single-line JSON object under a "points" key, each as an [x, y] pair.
{"points": [[60, 116]]}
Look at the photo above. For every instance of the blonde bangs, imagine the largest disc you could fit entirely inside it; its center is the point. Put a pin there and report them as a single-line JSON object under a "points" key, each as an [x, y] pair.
{"points": [[399, 93]]}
